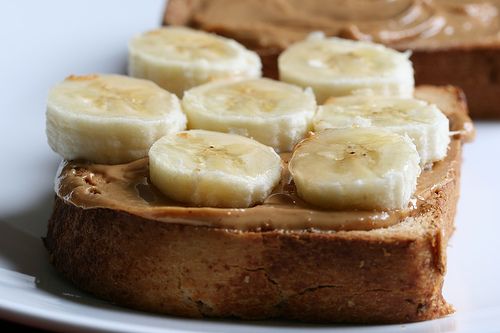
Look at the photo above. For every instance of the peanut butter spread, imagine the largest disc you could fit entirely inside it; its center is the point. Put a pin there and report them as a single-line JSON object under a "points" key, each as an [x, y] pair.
{"points": [[402, 24], [126, 187]]}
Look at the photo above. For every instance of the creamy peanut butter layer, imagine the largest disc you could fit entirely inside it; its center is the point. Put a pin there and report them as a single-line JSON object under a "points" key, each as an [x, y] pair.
{"points": [[126, 187], [262, 24]]}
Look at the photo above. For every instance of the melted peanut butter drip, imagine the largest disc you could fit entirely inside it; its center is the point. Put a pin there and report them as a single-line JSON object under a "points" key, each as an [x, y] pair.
{"points": [[260, 24]]}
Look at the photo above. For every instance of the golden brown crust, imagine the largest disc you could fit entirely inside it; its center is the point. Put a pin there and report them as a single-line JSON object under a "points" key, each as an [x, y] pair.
{"points": [[476, 71], [184, 270], [362, 277]]}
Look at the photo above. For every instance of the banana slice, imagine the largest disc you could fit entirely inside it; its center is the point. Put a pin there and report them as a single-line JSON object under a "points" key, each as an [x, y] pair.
{"points": [[424, 123], [338, 67], [356, 168], [109, 119], [274, 113], [179, 58], [205, 168]]}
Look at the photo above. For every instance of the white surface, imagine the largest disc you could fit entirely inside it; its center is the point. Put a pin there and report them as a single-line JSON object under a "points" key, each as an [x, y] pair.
{"points": [[42, 42]]}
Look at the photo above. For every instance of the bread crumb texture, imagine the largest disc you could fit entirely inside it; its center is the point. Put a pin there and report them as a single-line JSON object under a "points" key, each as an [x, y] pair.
{"points": [[356, 277]]}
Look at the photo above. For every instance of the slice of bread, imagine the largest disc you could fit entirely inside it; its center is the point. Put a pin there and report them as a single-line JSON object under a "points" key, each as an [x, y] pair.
{"points": [[114, 234], [451, 43]]}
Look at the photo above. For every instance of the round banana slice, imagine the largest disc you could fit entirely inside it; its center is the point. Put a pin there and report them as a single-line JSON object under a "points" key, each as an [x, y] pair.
{"points": [[212, 169], [338, 67], [424, 123], [109, 119], [274, 113], [356, 168], [179, 58]]}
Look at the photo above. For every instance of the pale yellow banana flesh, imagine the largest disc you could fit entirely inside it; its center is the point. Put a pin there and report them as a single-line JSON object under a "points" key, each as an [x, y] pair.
{"points": [[109, 118], [205, 168], [339, 67], [179, 58], [356, 168], [424, 123], [274, 113]]}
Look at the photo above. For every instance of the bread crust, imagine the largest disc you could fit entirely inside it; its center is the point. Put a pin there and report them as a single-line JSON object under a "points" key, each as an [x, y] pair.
{"points": [[475, 70], [381, 276]]}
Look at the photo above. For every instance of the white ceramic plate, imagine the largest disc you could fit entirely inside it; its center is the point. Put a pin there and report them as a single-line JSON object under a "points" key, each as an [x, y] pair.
{"points": [[45, 41]]}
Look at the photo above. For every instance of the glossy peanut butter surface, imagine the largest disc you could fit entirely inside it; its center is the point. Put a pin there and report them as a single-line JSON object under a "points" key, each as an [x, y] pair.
{"points": [[126, 187], [401, 24]]}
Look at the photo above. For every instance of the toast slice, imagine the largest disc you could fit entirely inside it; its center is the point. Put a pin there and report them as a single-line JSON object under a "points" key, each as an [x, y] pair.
{"points": [[465, 51], [113, 234]]}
